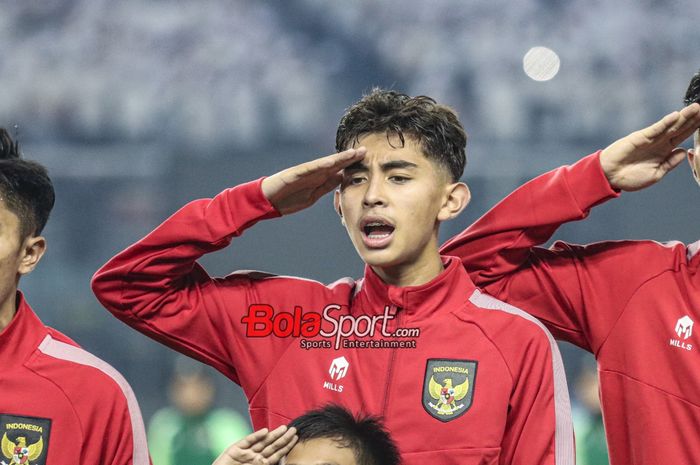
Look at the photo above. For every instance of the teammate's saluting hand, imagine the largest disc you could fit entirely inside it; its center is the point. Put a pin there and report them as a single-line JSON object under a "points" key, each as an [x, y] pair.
{"points": [[300, 186], [644, 157], [262, 447]]}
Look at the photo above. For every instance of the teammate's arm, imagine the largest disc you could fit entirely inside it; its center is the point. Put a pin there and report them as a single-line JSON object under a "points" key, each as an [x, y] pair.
{"points": [[499, 250]]}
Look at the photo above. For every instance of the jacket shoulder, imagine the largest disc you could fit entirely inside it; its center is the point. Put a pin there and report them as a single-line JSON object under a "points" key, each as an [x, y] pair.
{"points": [[666, 253], [275, 282], [511, 329], [87, 382]]}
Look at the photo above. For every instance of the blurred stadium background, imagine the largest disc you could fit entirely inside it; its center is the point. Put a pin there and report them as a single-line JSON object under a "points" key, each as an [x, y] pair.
{"points": [[138, 106]]}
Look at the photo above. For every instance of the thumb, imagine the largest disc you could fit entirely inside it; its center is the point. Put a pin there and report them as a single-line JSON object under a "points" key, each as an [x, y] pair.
{"points": [[677, 156]]}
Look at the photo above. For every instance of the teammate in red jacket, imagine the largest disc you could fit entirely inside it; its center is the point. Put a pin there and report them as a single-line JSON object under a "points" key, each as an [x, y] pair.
{"points": [[632, 304], [59, 405], [459, 377]]}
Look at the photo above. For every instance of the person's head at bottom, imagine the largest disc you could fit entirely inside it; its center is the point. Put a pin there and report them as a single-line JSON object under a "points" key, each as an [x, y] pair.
{"points": [[334, 436], [330, 435]]}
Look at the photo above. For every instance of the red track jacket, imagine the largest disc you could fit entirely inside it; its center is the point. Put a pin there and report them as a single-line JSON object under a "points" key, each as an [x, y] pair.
{"points": [[631, 303], [481, 384], [60, 405]]}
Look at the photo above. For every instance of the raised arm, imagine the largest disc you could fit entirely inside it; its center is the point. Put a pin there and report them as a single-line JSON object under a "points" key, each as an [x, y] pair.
{"points": [[157, 287], [499, 250]]}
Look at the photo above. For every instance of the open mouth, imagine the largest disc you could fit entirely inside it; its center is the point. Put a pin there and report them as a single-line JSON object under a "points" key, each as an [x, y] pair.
{"points": [[376, 233]]}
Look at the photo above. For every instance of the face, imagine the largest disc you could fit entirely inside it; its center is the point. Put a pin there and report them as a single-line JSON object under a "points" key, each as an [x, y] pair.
{"points": [[694, 158], [392, 202], [17, 257], [10, 252], [193, 395], [320, 451]]}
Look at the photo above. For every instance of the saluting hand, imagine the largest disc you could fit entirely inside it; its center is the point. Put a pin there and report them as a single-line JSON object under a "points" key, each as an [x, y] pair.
{"points": [[262, 447], [300, 186], [644, 157]]}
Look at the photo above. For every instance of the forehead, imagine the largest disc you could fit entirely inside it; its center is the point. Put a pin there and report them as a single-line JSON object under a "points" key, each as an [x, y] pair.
{"points": [[386, 146], [320, 451]]}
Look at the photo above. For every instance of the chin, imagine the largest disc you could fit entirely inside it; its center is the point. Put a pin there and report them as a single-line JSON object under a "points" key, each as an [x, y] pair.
{"points": [[380, 258]]}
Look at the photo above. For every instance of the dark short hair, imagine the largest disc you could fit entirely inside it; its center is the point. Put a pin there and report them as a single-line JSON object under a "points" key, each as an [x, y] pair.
{"points": [[692, 95], [365, 435], [435, 127], [25, 187]]}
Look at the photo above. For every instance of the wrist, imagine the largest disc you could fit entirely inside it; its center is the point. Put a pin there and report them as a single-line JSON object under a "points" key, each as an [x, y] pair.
{"points": [[609, 169]]}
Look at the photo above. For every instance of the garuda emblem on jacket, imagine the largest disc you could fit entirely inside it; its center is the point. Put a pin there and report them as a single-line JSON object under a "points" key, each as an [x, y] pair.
{"points": [[447, 396], [19, 452], [448, 387], [24, 440]]}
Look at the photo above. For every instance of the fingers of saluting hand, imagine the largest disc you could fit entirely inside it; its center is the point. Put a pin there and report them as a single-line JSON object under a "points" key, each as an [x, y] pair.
{"points": [[677, 126], [280, 446], [688, 123], [341, 160], [329, 164], [270, 438], [252, 439]]}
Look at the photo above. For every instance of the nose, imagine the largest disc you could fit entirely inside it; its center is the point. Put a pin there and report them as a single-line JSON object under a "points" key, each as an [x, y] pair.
{"points": [[374, 195]]}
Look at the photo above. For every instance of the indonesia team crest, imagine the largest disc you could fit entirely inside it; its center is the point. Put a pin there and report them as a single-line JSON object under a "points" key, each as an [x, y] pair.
{"points": [[448, 387], [24, 440]]}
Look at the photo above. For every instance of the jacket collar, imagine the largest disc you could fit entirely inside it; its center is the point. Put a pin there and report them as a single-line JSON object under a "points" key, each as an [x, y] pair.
{"points": [[22, 336], [450, 288]]}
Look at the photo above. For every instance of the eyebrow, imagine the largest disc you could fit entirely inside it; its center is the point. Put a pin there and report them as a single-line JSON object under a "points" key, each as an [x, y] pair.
{"points": [[390, 165]]}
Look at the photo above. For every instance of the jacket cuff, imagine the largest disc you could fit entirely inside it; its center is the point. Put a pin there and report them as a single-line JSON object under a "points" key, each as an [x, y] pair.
{"points": [[588, 183], [245, 204]]}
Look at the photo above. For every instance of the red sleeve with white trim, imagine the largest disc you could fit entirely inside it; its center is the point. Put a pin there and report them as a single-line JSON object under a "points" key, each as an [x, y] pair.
{"points": [[577, 291], [111, 426]]}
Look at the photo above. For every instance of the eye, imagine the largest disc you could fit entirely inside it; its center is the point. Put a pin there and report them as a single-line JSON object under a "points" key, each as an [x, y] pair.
{"points": [[356, 180], [399, 179]]}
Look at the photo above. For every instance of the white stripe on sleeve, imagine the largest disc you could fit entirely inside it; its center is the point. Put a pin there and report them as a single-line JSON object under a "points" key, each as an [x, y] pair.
{"points": [[563, 439], [63, 351]]}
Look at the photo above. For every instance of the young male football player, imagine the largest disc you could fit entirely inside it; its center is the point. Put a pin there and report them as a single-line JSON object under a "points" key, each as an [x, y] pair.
{"points": [[328, 435], [633, 304], [476, 381], [59, 405]]}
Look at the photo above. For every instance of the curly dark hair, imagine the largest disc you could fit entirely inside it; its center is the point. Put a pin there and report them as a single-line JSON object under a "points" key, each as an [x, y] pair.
{"points": [[435, 127], [692, 95], [25, 187], [370, 442]]}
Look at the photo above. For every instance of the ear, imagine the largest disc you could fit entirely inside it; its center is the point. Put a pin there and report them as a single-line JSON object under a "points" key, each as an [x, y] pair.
{"points": [[336, 205], [691, 160], [457, 197], [32, 251]]}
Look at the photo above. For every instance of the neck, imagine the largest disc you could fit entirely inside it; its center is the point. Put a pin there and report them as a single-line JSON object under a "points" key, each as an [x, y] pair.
{"points": [[413, 274], [8, 308]]}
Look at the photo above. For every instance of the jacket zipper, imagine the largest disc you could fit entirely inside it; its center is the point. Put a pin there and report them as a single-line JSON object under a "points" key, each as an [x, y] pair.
{"points": [[390, 376]]}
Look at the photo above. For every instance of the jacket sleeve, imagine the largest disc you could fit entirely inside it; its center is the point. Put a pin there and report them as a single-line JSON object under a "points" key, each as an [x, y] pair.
{"points": [[114, 430], [577, 291], [538, 428], [157, 287]]}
